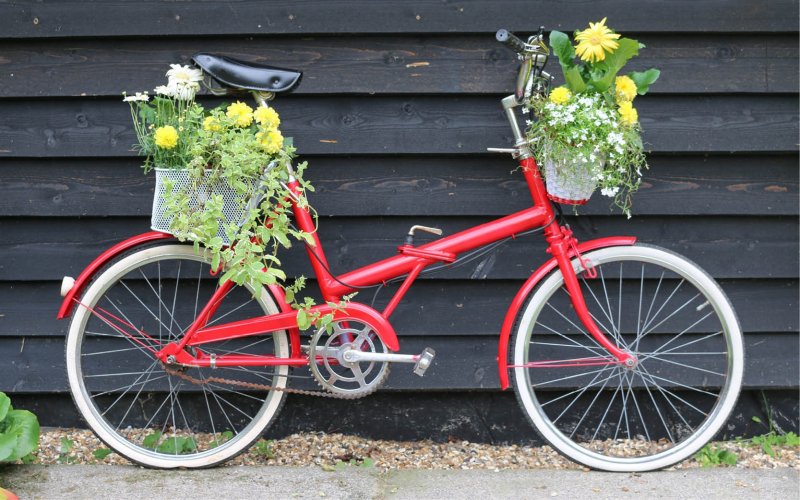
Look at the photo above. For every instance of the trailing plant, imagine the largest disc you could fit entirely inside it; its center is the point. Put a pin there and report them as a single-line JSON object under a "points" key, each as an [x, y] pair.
{"points": [[241, 147], [19, 431], [590, 121]]}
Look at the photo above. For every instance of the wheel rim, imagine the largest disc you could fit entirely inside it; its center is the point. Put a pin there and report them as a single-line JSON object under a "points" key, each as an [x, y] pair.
{"points": [[685, 383], [121, 388]]}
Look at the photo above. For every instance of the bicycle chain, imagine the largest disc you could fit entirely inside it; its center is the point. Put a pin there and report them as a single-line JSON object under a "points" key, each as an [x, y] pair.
{"points": [[253, 385]]}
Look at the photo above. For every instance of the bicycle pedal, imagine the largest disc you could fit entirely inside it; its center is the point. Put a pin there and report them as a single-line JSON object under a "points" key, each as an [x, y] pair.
{"points": [[424, 362]]}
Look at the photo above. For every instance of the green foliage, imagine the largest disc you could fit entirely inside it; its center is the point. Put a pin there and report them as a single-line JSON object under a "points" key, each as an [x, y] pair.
{"points": [[19, 431], [563, 49], [223, 438], [174, 445], [769, 441], [643, 79], [101, 453], [177, 445], [65, 455], [774, 437], [151, 440], [712, 456], [263, 448]]}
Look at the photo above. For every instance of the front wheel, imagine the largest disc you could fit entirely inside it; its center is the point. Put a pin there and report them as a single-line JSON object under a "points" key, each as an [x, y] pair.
{"points": [[673, 318], [161, 415]]}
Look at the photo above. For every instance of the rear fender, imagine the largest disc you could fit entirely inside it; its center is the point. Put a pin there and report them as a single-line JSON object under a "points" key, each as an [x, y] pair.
{"points": [[71, 294], [522, 295]]}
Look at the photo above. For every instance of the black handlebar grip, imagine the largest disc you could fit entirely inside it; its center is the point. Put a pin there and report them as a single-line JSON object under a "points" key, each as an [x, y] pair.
{"points": [[508, 38]]}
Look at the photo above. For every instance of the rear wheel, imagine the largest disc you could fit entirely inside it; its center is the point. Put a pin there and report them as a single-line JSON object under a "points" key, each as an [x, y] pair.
{"points": [[683, 331], [159, 415]]}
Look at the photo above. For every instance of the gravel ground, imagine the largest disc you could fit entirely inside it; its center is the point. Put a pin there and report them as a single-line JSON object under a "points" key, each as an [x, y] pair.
{"points": [[328, 450]]}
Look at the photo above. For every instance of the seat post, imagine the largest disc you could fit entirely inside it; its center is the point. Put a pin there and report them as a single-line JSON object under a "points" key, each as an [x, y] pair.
{"points": [[263, 98]]}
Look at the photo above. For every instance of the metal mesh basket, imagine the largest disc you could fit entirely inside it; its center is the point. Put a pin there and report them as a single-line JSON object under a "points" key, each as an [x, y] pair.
{"points": [[232, 207]]}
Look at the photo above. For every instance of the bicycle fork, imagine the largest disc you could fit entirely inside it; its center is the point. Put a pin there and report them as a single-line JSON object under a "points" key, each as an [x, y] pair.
{"points": [[561, 241]]}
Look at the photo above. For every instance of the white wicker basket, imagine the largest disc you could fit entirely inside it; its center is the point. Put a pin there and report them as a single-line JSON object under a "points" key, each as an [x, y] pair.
{"points": [[571, 181], [232, 206]]}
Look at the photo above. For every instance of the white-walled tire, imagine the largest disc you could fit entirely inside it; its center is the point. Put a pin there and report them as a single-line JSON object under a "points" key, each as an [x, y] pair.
{"points": [[688, 343], [130, 401]]}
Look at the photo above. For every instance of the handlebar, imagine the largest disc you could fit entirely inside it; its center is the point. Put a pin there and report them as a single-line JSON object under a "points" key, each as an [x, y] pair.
{"points": [[510, 40]]}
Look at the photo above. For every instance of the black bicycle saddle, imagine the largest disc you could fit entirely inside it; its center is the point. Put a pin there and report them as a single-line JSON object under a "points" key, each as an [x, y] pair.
{"points": [[248, 76]]}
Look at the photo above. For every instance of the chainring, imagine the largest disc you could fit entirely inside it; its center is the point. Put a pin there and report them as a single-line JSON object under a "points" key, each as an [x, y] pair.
{"points": [[349, 380]]}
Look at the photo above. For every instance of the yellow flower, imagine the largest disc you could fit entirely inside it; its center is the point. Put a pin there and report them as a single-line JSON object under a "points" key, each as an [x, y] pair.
{"points": [[560, 95], [627, 113], [267, 117], [166, 137], [241, 113], [271, 141], [595, 41], [625, 89], [211, 124]]}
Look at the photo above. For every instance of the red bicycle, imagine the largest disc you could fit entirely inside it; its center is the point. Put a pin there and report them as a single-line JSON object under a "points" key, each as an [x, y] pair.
{"points": [[624, 356]]}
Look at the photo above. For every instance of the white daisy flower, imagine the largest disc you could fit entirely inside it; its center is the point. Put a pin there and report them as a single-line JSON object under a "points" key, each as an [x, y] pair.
{"points": [[184, 74], [186, 92], [165, 90], [139, 96]]}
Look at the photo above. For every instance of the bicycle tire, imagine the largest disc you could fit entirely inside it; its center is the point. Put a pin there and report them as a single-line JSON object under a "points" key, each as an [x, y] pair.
{"points": [[190, 437], [555, 362]]}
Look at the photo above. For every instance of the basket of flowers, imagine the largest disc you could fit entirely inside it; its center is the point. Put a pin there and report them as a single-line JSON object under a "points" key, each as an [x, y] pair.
{"points": [[221, 175], [587, 133]]}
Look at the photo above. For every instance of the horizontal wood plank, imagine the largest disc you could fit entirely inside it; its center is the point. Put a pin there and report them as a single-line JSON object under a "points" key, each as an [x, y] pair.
{"points": [[412, 125], [451, 307], [44, 249], [250, 17], [461, 363], [410, 186], [394, 65]]}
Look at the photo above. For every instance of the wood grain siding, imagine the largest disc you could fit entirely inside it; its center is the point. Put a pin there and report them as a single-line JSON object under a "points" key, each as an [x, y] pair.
{"points": [[399, 101], [454, 64]]}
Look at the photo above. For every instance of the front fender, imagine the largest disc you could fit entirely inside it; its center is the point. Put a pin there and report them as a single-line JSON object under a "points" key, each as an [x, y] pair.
{"points": [[530, 284]]}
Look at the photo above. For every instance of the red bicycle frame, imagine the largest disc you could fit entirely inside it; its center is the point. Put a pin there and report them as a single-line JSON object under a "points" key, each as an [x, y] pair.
{"points": [[409, 262]]}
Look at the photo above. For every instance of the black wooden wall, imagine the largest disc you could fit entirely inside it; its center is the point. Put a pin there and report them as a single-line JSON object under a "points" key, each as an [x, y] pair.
{"points": [[398, 103]]}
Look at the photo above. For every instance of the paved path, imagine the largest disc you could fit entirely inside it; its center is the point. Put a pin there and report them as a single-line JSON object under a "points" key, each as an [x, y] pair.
{"points": [[124, 482]]}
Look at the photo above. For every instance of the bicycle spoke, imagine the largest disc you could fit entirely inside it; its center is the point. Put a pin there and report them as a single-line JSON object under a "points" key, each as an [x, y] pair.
{"points": [[158, 296], [651, 377], [669, 298], [570, 377], [581, 393], [599, 392], [605, 413], [133, 401], [675, 382], [577, 344], [174, 298], [676, 337], [664, 393], [660, 352], [687, 366], [655, 405], [141, 375]]}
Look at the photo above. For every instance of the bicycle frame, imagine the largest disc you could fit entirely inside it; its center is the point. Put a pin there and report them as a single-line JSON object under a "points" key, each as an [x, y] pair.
{"points": [[408, 263]]}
